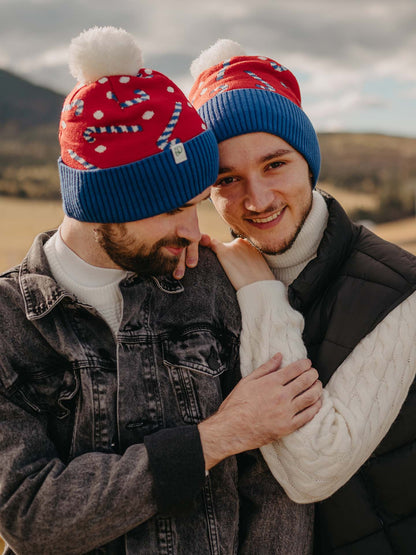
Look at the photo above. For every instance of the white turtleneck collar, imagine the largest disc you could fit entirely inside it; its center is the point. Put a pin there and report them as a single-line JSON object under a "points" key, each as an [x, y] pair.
{"points": [[92, 285], [287, 266]]}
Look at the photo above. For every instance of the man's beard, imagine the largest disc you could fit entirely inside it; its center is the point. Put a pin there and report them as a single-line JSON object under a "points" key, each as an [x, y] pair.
{"points": [[143, 260], [284, 248], [289, 242]]}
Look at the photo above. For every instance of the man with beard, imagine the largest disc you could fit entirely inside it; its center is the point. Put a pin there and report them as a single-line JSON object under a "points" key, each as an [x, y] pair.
{"points": [[118, 395], [355, 291]]}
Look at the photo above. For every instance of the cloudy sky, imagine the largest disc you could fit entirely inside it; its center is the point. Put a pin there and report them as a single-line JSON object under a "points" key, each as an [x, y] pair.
{"points": [[355, 59]]}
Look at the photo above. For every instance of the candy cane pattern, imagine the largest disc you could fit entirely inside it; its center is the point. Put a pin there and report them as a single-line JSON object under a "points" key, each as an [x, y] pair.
{"points": [[265, 85], [163, 140], [110, 129], [220, 74], [81, 161], [277, 67], [221, 88], [143, 96], [148, 72], [79, 104]]}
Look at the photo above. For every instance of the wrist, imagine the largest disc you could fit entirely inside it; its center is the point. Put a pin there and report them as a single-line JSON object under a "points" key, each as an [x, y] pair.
{"points": [[216, 441]]}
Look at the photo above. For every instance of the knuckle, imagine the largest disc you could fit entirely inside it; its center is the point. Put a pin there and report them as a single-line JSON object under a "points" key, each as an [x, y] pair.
{"points": [[303, 365], [311, 376], [293, 370], [280, 397], [304, 380], [309, 397], [315, 373]]}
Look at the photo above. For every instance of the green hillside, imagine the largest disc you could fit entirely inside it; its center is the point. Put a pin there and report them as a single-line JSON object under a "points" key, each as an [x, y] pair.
{"points": [[24, 105]]}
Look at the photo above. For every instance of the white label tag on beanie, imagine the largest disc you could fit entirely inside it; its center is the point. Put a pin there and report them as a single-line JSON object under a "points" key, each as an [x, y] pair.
{"points": [[179, 153]]}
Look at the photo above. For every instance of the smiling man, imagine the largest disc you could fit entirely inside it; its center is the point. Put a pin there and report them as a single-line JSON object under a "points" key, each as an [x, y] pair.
{"points": [[355, 291], [267, 185], [121, 404]]}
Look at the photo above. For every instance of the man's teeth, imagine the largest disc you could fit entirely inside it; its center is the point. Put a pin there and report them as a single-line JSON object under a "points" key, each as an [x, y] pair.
{"points": [[268, 219]]}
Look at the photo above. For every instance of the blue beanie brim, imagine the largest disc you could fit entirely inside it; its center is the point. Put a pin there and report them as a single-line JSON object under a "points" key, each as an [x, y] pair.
{"points": [[241, 111], [143, 189]]}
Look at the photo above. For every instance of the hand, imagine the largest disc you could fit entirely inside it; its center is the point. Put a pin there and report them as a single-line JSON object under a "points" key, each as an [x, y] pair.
{"points": [[242, 262], [189, 257], [264, 406]]}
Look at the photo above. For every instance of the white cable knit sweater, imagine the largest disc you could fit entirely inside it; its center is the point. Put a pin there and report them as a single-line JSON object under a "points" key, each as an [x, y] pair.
{"points": [[363, 397]]}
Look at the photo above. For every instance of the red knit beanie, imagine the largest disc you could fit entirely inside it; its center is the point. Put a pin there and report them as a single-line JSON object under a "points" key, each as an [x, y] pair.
{"points": [[132, 145]]}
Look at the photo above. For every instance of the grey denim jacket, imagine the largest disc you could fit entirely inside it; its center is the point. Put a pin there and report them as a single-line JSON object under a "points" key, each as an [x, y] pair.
{"points": [[99, 448], [99, 444]]}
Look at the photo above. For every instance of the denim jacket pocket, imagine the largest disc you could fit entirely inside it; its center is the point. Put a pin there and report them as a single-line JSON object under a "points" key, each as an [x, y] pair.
{"points": [[48, 393], [194, 364]]}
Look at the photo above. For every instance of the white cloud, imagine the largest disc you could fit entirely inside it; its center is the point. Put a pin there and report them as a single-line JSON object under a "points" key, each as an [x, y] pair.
{"points": [[343, 104], [410, 93], [45, 60], [400, 65], [4, 58], [336, 49]]}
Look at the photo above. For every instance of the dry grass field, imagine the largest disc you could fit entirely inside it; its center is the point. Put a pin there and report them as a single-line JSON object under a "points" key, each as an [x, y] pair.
{"points": [[21, 220]]}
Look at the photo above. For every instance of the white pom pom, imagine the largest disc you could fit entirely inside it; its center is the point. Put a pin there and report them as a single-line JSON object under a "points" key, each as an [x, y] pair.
{"points": [[103, 51], [218, 52]]}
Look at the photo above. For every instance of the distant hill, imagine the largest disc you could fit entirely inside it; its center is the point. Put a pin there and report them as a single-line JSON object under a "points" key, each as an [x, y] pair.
{"points": [[23, 104], [379, 165], [29, 117], [364, 161]]}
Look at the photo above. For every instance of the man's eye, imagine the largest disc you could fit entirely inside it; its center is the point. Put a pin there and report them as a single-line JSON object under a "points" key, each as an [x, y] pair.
{"points": [[174, 211], [275, 164], [224, 181]]}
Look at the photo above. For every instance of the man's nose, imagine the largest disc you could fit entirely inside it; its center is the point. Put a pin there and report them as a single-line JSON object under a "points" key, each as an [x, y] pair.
{"points": [[189, 225], [258, 196]]}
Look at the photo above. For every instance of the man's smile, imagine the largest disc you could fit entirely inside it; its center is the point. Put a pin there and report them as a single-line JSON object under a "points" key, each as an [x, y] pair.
{"points": [[270, 219]]}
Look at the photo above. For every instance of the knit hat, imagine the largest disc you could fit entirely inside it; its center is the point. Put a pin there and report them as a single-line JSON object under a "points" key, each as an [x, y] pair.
{"points": [[237, 94], [132, 145]]}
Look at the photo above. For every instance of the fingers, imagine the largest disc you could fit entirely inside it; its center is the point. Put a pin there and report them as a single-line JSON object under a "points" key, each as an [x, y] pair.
{"points": [[308, 397], [242, 262], [188, 258], [268, 367], [303, 382], [306, 415], [179, 271], [191, 258], [260, 410], [205, 240], [293, 371], [212, 243]]}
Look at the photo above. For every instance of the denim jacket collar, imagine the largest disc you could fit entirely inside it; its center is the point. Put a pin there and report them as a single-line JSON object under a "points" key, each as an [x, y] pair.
{"points": [[168, 284], [40, 291]]}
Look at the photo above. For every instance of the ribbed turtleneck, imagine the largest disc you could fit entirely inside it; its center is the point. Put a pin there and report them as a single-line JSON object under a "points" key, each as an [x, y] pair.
{"points": [[287, 266], [92, 285]]}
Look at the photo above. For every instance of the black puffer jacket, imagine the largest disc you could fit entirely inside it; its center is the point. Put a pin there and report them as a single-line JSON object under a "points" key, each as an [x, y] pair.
{"points": [[355, 281]]}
